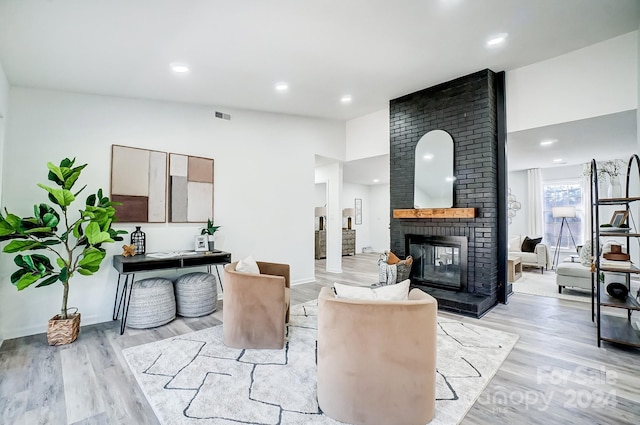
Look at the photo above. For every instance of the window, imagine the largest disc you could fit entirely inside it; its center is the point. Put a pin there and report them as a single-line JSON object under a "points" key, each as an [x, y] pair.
{"points": [[563, 194]]}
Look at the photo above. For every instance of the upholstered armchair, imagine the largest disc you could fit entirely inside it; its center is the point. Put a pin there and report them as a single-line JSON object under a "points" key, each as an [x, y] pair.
{"points": [[256, 306], [377, 359]]}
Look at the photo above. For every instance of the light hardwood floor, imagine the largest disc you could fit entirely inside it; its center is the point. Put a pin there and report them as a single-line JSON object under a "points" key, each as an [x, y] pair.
{"points": [[554, 375]]}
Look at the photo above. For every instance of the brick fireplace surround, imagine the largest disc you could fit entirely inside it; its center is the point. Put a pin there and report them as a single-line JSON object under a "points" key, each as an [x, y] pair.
{"points": [[470, 109]]}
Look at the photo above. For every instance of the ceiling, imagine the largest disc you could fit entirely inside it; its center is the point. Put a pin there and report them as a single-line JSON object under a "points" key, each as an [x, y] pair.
{"points": [[373, 50]]}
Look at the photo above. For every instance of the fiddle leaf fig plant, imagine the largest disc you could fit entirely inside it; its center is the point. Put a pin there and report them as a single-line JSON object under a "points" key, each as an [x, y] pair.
{"points": [[74, 243]]}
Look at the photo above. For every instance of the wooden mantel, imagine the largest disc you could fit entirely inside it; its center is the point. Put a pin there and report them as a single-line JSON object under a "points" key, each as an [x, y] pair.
{"points": [[435, 213]]}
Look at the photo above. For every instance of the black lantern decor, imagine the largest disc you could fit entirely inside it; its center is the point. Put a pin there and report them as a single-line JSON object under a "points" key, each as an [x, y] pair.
{"points": [[139, 239]]}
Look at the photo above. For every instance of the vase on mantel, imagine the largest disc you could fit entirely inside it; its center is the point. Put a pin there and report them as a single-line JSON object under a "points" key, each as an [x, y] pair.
{"points": [[615, 189]]}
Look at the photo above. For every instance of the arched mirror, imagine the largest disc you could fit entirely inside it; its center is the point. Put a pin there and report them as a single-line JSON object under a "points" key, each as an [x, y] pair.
{"points": [[433, 180]]}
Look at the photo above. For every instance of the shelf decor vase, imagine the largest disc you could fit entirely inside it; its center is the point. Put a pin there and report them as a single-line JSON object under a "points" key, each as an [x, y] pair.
{"points": [[615, 189], [139, 239]]}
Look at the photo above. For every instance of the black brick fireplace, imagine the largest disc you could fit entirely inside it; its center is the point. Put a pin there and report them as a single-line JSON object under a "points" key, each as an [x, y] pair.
{"points": [[471, 110]]}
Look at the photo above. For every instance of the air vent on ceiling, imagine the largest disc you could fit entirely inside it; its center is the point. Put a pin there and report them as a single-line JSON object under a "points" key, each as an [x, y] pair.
{"points": [[223, 116]]}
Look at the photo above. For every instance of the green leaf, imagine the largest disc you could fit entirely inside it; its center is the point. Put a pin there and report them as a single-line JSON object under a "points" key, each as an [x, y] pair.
{"points": [[39, 230], [14, 221], [64, 275], [50, 220], [92, 257], [91, 200], [61, 263], [56, 171], [26, 280], [20, 245], [17, 275], [95, 236], [62, 197], [85, 272], [48, 281]]}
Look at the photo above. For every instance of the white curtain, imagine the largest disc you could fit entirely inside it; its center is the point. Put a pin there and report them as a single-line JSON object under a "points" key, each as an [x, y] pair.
{"points": [[534, 206]]}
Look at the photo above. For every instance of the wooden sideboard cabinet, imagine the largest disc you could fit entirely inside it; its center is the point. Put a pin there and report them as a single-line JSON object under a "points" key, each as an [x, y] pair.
{"points": [[348, 243], [321, 244]]}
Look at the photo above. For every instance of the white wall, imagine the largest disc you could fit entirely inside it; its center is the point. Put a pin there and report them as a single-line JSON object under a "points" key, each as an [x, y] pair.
{"points": [[596, 80], [264, 180], [363, 231], [380, 217], [368, 136], [331, 174]]}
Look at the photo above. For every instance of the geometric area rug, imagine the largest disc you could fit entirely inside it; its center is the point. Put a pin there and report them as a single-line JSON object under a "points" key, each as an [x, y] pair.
{"points": [[195, 379]]}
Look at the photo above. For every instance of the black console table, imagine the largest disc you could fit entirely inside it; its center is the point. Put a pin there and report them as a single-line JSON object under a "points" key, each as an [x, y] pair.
{"points": [[129, 266]]}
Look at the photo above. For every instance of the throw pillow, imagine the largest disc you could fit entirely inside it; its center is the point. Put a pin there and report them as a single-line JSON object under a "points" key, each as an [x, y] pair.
{"points": [[392, 258], [397, 292], [248, 265], [529, 245], [515, 244]]}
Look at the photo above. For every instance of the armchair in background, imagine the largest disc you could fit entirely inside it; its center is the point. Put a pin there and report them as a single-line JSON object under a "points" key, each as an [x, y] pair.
{"points": [[256, 306]]}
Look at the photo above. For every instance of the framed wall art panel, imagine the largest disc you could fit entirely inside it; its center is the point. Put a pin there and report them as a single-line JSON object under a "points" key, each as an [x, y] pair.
{"points": [[190, 188], [139, 182]]}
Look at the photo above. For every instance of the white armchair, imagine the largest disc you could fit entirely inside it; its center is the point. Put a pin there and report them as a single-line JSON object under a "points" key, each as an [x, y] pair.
{"points": [[539, 258]]}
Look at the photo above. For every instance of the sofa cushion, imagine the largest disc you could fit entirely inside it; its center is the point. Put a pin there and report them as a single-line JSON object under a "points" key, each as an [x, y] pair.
{"points": [[573, 269], [515, 244], [248, 265], [529, 245], [397, 292]]}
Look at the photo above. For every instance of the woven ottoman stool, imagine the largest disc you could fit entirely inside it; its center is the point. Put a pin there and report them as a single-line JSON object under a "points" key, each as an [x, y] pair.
{"points": [[196, 294], [152, 303]]}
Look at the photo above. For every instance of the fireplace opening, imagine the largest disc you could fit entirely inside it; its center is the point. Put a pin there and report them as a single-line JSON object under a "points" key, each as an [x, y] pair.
{"points": [[438, 261]]}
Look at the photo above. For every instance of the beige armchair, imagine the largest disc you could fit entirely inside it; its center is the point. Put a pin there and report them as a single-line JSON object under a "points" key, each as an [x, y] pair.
{"points": [[256, 306], [377, 359]]}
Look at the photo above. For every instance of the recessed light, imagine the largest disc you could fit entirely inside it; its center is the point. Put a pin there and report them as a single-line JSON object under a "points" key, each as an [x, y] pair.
{"points": [[557, 160], [497, 40], [450, 179], [376, 180], [428, 156], [346, 98], [282, 86], [179, 67], [548, 142]]}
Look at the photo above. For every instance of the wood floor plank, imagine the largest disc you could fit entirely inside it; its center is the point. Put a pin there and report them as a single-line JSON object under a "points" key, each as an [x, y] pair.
{"points": [[78, 375]]}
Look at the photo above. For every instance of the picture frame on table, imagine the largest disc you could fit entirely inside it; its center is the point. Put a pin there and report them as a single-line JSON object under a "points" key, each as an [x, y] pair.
{"points": [[201, 243], [618, 218]]}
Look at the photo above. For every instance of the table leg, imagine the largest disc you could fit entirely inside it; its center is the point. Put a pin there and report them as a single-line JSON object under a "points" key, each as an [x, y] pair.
{"points": [[116, 313], [126, 297]]}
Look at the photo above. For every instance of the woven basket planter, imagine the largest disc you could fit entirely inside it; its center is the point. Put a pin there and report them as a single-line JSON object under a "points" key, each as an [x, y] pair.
{"points": [[63, 331]]}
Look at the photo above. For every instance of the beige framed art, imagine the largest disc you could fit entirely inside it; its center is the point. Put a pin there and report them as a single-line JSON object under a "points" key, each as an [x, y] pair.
{"points": [[139, 182], [190, 188]]}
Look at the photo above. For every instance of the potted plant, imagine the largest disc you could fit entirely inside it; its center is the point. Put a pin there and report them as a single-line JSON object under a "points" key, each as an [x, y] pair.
{"points": [[209, 230], [74, 244]]}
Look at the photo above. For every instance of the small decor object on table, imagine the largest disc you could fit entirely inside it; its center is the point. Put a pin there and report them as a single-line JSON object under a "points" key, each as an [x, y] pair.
{"points": [[201, 244], [210, 230], [139, 239], [129, 250]]}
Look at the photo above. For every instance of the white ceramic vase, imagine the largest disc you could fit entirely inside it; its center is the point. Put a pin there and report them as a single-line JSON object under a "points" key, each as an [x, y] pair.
{"points": [[615, 189]]}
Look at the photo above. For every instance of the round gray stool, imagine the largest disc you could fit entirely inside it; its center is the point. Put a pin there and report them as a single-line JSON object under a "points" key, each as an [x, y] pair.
{"points": [[196, 294], [152, 303]]}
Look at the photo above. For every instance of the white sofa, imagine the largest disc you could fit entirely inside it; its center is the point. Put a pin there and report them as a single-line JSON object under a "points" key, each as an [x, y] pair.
{"points": [[539, 258]]}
